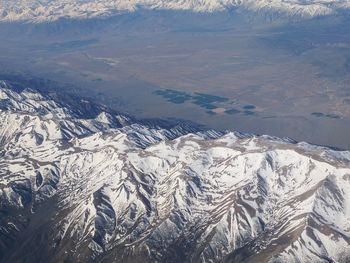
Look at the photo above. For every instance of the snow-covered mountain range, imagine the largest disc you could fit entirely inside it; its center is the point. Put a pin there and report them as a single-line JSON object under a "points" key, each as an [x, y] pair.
{"points": [[111, 188], [51, 10]]}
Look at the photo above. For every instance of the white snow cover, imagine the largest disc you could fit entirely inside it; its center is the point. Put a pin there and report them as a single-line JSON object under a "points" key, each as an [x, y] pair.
{"points": [[136, 186], [50, 10]]}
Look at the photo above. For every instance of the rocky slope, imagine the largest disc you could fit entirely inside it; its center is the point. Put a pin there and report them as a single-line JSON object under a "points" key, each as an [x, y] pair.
{"points": [[50, 10], [111, 188]]}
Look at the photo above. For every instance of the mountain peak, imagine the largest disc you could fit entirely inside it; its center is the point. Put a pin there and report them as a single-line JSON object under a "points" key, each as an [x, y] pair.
{"points": [[139, 192], [35, 11]]}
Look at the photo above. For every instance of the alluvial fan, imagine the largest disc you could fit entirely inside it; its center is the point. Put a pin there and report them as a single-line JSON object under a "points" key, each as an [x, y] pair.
{"points": [[111, 188]]}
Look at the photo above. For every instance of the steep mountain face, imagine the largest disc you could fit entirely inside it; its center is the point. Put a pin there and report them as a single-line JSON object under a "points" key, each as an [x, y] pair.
{"points": [[49, 10], [115, 189]]}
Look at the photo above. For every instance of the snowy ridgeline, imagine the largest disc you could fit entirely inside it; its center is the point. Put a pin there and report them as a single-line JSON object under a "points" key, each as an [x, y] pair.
{"points": [[33, 10], [122, 190]]}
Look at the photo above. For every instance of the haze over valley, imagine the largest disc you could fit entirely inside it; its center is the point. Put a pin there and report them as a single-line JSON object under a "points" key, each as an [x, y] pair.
{"points": [[294, 73]]}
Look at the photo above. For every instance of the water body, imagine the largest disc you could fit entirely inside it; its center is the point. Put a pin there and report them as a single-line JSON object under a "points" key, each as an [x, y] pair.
{"points": [[224, 70]]}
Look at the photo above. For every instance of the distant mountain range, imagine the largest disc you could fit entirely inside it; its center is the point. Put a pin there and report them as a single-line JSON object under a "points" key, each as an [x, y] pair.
{"points": [[51, 10], [80, 183]]}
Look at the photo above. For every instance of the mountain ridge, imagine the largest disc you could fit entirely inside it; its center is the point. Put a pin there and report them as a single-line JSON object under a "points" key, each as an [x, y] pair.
{"points": [[95, 190], [35, 11]]}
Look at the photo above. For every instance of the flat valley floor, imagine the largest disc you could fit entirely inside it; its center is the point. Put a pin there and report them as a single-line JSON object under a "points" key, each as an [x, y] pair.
{"points": [[220, 70]]}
